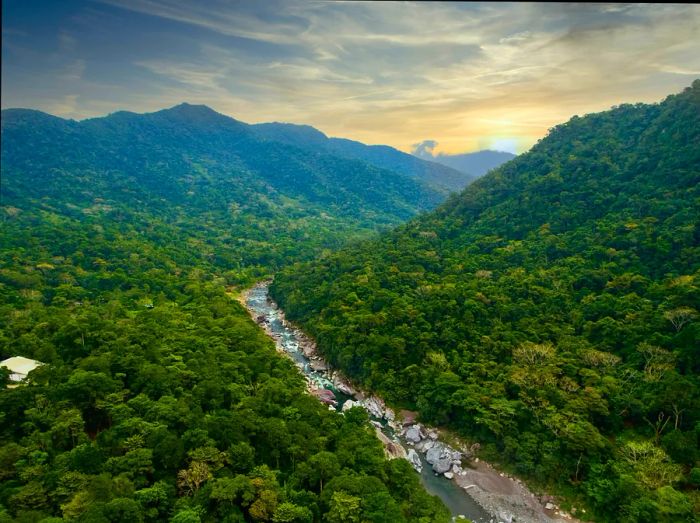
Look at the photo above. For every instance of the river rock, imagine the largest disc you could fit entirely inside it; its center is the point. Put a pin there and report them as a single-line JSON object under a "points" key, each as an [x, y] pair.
{"points": [[433, 435], [413, 434], [340, 384], [389, 414], [326, 396], [442, 465], [319, 365], [414, 459], [449, 475], [433, 454], [428, 444], [350, 404], [392, 449], [374, 406]]}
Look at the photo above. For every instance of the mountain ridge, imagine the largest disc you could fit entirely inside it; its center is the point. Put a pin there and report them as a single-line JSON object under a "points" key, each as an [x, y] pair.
{"points": [[478, 162], [538, 311]]}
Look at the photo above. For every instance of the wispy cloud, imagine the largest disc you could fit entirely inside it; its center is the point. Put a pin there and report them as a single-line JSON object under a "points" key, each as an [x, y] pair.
{"points": [[396, 73]]}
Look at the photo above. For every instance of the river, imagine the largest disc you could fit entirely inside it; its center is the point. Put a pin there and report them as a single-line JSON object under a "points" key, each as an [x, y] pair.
{"points": [[257, 301]]}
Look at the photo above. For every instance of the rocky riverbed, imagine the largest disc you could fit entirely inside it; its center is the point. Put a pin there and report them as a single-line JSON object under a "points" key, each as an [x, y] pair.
{"points": [[470, 487]]}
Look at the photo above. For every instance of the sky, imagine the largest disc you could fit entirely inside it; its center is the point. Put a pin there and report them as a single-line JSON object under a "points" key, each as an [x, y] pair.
{"points": [[466, 76]]}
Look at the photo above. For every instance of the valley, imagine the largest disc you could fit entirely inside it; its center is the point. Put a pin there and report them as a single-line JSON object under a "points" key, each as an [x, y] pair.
{"points": [[478, 491], [548, 312]]}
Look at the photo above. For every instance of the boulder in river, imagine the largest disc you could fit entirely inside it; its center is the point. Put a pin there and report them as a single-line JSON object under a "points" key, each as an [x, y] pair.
{"points": [[319, 365], [326, 396], [433, 454], [449, 475], [343, 386], [414, 459], [389, 414], [392, 449], [375, 406], [413, 434], [442, 465]]}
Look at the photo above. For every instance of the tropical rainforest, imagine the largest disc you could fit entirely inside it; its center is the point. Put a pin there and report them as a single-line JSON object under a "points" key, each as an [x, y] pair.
{"points": [[550, 311], [124, 241]]}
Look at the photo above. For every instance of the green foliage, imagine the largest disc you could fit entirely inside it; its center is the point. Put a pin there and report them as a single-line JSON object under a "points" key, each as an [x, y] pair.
{"points": [[160, 399], [236, 200], [550, 311]]}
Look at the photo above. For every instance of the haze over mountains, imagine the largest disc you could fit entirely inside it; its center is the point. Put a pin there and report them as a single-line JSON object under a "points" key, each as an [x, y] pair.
{"points": [[383, 156], [478, 163]]}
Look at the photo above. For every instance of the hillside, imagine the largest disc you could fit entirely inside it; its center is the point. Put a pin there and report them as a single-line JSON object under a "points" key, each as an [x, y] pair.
{"points": [[122, 244], [549, 311], [190, 165], [434, 174]]}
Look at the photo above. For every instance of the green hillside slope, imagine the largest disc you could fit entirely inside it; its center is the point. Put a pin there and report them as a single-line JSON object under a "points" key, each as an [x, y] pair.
{"points": [[436, 175], [189, 168], [551, 311], [122, 242]]}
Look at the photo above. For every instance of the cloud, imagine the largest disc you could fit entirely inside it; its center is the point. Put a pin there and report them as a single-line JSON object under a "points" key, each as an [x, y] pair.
{"points": [[424, 149], [464, 73]]}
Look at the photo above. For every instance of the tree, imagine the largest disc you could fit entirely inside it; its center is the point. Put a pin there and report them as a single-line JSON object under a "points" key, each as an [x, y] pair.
{"points": [[680, 316], [324, 466], [344, 508], [190, 479], [290, 513]]}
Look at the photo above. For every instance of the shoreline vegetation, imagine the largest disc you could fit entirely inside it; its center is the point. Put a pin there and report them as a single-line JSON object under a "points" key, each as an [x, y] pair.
{"points": [[504, 496]]}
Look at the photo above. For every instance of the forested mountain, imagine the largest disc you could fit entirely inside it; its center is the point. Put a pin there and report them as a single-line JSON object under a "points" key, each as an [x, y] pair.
{"points": [[381, 156], [477, 163], [190, 165], [122, 242], [549, 311]]}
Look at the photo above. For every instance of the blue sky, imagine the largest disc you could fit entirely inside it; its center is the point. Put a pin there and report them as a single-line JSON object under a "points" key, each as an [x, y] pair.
{"points": [[469, 76]]}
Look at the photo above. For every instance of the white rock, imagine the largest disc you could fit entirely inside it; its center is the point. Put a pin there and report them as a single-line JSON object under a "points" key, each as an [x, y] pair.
{"points": [[413, 434], [449, 475], [374, 406], [350, 404], [414, 459], [389, 415]]}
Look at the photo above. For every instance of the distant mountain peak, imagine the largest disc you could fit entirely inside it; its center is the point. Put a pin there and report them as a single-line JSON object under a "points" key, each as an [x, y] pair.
{"points": [[188, 108], [197, 113]]}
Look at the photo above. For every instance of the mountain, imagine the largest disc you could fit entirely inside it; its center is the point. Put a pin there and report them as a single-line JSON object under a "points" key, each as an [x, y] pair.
{"points": [[124, 243], [191, 164], [477, 163], [550, 311], [381, 156]]}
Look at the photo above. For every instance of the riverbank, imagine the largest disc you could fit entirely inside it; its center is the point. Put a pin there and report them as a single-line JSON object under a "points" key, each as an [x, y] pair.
{"points": [[499, 497]]}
